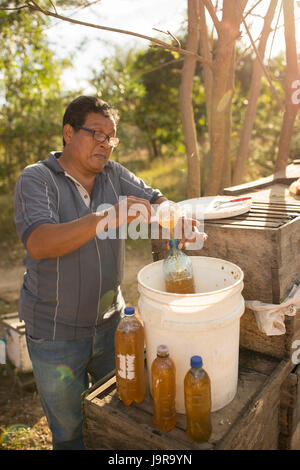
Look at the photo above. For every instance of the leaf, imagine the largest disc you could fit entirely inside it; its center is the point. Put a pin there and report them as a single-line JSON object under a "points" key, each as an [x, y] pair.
{"points": [[175, 54]]}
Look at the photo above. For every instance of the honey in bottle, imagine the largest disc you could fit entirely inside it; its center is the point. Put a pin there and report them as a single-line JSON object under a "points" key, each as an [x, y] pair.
{"points": [[197, 397], [168, 214], [178, 271], [129, 357], [163, 390]]}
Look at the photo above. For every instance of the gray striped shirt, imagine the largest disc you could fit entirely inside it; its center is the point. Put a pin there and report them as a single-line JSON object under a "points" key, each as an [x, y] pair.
{"points": [[71, 296]]}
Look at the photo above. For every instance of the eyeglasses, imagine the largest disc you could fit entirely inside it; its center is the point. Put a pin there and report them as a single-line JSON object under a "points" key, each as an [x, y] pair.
{"points": [[101, 137]]}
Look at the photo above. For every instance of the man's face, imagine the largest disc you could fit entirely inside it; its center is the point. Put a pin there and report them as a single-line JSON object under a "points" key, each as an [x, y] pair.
{"points": [[86, 153]]}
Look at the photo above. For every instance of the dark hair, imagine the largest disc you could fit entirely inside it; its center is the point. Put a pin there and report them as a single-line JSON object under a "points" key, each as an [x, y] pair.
{"points": [[79, 108]]}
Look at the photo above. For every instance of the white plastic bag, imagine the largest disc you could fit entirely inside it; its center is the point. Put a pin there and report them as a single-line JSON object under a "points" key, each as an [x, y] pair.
{"points": [[270, 317]]}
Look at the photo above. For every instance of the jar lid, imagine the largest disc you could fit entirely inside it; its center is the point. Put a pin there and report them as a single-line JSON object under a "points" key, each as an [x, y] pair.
{"points": [[129, 310], [173, 242], [162, 350], [196, 362]]}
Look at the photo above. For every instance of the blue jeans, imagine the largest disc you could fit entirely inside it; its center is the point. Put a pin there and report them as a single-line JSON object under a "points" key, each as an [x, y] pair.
{"points": [[61, 373]]}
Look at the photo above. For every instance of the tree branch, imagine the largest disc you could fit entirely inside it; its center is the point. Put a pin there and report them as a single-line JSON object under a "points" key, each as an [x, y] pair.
{"points": [[274, 34], [278, 99], [53, 4], [169, 34], [252, 8], [14, 8], [210, 8], [31, 4], [242, 54]]}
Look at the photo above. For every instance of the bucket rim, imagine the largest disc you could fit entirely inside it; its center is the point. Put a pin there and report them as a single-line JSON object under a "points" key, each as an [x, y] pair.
{"points": [[197, 294]]}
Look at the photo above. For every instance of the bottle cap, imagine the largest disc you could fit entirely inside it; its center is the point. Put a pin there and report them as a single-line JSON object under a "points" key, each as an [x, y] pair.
{"points": [[196, 362], [129, 310], [173, 242], [162, 350]]}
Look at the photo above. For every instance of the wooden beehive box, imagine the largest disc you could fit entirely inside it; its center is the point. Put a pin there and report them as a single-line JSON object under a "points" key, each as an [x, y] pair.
{"points": [[250, 421]]}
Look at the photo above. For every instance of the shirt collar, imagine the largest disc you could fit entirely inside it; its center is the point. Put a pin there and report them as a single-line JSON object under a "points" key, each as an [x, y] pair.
{"points": [[52, 162]]}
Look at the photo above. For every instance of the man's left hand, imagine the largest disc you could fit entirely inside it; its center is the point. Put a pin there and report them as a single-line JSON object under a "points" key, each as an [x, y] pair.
{"points": [[189, 233]]}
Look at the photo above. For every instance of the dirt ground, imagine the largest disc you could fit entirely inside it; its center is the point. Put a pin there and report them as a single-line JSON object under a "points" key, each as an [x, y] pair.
{"points": [[23, 425]]}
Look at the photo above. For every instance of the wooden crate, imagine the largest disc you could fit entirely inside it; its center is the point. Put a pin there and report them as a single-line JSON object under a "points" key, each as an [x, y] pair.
{"points": [[281, 272], [289, 415], [250, 421]]}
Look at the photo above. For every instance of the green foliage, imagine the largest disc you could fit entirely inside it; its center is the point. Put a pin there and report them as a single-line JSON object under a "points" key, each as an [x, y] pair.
{"points": [[7, 225], [268, 119], [144, 86], [19, 437], [168, 174], [31, 101]]}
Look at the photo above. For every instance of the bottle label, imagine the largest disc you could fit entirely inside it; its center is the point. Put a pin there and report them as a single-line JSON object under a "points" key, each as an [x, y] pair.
{"points": [[126, 366]]}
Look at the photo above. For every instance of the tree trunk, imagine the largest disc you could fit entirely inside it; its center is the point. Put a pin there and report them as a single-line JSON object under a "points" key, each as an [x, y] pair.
{"points": [[228, 32], [207, 72], [255, 86], [186, 103], [155, 149], [221, 71], [292, 74], [226, 176]]}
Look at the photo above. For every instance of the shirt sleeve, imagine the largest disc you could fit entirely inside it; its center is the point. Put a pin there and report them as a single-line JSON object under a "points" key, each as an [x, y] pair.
{"points": [[132, 185], [35, 202]]}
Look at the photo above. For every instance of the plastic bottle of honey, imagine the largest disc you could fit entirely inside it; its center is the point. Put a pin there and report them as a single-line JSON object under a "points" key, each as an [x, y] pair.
{"points": [[197, 396], [168, 214], [129, 357], [178, 271], [163, 390]]}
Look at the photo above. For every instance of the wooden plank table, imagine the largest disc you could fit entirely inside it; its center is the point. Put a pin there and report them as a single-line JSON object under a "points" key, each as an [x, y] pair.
{"points": [[250, 421]]}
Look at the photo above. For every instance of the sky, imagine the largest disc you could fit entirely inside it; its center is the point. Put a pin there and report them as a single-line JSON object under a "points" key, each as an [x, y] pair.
{"points": [[132, 15]]}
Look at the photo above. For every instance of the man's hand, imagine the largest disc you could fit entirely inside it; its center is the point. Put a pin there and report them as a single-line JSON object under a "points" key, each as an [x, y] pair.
{"points": [[53, 240], [188, 233], [127, 210], [186, 229]]}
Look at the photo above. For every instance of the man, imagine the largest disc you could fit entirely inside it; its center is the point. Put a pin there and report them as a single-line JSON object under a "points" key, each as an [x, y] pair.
{"points": [[70, 299]]}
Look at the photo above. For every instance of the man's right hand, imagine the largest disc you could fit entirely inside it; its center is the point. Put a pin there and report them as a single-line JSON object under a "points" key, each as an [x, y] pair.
{"points": [[53, 240], [127, 210]]}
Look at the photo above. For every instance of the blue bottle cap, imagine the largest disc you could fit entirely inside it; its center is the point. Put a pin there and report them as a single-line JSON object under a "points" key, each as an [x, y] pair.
{"points": [[129, 311], [173, 242], [196, 362]]}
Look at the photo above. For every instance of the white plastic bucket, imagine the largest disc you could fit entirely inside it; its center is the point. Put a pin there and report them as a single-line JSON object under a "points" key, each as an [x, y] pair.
{"points": [[205, 324]]}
